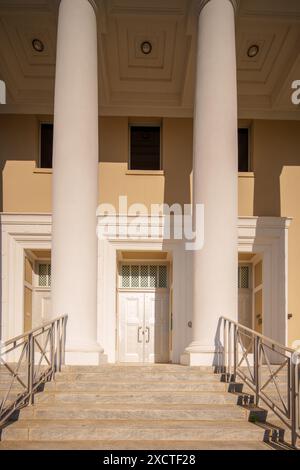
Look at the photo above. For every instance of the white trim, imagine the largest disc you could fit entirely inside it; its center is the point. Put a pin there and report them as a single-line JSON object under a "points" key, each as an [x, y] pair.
{"points": [[18, 233], [267, 236]]}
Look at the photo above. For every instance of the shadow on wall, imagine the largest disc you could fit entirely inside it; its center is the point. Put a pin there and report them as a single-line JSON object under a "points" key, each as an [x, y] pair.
{"points": [[276, 145], [19, 137]]}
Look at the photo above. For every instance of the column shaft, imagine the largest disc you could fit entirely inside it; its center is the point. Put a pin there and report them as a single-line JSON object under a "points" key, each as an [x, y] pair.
{"points": [[215, 175], [75, 179]]}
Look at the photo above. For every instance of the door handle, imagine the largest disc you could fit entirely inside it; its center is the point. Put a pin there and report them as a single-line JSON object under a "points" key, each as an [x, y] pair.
{"points": [[138, 334], [148, 334]]}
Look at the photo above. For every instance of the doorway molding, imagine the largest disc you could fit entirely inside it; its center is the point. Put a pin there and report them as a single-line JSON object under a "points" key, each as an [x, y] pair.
{"points": [[268, 236], [265, 235]]}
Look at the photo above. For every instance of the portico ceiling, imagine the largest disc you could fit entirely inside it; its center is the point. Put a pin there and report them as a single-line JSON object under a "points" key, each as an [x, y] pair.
{"points": [[161, 83]]}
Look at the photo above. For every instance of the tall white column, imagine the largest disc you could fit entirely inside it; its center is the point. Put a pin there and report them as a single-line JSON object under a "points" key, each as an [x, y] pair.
{"points": [[215, 174], [75, 180]]}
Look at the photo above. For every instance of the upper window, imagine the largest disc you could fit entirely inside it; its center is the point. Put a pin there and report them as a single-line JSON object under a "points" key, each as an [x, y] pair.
{"points": [[145, 148], [46, 148], [244, 157]]}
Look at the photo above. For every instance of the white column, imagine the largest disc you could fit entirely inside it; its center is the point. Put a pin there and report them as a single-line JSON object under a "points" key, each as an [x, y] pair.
{"points": [[215, 174], [75, 180]]}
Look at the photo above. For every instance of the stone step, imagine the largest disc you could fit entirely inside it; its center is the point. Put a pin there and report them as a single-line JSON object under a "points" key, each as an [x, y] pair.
{"points": [[134, 445], [124, 376], [155, 386], [136, 412], [137, 397], [131, 430], [132, 368]]}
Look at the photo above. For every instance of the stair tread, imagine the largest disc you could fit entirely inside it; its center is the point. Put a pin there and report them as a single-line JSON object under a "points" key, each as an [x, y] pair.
{"points": [[134, 445], [137, 424]]}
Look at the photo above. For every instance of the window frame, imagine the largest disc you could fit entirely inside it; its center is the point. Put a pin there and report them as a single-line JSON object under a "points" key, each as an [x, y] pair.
{"points": [[249, 129], [41, 123], [145, 124]]}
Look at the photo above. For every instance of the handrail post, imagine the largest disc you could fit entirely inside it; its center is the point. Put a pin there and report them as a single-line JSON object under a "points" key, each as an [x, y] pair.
{"points": [[63, 340], [293, 403], [58, 345], [235, 345], [257, 368], [52, 348], [30, 368], [225, 347], [229, 351]]}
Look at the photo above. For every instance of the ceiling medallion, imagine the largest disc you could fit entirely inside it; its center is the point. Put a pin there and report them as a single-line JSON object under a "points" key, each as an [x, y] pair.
{"points": [[253, 51], [146, 47], [38, 45]]}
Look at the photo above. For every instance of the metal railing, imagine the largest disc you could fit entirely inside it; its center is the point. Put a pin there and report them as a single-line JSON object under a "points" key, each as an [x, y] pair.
{"points": [[269, 369], [27, 361]]}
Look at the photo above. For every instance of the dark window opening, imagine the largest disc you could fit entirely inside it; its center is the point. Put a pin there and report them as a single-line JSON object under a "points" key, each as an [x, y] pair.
{"points": [[244, 160], [46, 145], [144, 148]]}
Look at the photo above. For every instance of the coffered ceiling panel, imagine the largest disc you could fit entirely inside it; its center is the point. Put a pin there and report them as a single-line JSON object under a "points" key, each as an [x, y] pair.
{"points": [[162, 82], [130, 72]]}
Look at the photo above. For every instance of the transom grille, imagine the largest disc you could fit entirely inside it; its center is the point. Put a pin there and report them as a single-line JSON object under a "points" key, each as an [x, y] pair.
{"points": [[144, 276], [44, 275], [244, 277]]}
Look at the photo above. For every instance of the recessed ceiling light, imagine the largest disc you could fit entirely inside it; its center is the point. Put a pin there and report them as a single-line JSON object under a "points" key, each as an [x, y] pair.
{"points": [[253, 51], [146, 47], [38, 45]]}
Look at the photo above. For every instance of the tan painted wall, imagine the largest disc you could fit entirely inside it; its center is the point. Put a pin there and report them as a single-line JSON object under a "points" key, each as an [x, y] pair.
{"points": [[272, 190], [276, 164]]}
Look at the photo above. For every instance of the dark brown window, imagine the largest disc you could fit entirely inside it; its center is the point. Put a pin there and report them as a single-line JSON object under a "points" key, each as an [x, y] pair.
{"points": [[244, 158], [145, 148], [46, 145]]}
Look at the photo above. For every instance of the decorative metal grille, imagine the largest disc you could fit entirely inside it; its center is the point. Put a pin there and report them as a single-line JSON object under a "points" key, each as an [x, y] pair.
{"points": [[163, 277], [244, 277], [125, 276], [144, 276], [153, 276], [135, 276], [44, 275]]}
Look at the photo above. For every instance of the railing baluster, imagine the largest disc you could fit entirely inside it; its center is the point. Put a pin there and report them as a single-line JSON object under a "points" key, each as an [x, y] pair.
{"points": [[225, 347], [294, 411], [235, 345], [229, 351], [30, 367]]}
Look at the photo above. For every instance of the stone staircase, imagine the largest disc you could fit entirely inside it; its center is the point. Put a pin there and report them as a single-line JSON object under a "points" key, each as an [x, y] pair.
{"points": [[136, 407]]}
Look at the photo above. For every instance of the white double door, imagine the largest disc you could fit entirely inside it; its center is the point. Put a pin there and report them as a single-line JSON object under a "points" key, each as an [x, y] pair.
{"points": [[144, 327]]}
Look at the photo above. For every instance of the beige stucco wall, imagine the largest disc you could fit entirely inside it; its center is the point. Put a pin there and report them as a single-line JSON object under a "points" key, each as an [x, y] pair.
{"points": [[273, 189]]}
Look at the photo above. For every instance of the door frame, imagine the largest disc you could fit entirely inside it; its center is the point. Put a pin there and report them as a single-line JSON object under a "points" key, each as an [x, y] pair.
{"points": [[141, 290]]}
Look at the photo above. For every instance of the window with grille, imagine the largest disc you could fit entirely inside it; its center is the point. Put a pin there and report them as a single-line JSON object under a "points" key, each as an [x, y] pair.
{"points": [[44, 273], [244, 277], [144, 276]]}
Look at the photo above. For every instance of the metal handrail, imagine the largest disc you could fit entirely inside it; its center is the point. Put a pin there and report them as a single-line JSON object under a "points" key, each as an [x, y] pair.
{"points": [[258, 360], [31, 359]]}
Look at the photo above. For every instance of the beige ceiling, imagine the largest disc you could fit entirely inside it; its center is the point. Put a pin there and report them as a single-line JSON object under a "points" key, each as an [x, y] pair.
{"points": [[161, 84]]}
